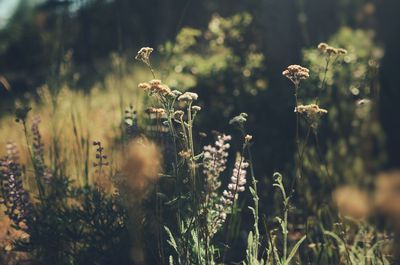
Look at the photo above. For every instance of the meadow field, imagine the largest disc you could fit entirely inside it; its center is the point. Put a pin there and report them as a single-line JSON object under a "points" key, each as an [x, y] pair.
{"points": [[203, 149]]}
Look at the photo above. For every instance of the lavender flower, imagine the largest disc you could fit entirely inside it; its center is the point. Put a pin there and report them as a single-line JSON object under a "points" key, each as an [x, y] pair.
{"points": [[38, 152], [214, 161], [238, 180], [100, 157], [14, 196]]}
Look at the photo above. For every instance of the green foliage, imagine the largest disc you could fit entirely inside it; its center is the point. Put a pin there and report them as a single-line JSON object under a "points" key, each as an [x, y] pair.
{"points": [[348, 139], [222, 63], [77, 226]]}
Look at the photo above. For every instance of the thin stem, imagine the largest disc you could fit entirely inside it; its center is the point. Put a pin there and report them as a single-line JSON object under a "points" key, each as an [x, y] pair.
{"points": [[323, 161], [322, 85], [151, 69], [285, 232]]}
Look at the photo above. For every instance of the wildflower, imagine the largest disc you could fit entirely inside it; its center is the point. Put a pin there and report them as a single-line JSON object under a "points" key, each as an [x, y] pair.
{"points": [[311, 109], [331, 50], [248, 138], [238, 180], [158, 111], [325, 48], [14, 196], [239, 120], [352, 202], [214, 163], [322, 46], [144, 86], [196, 108], [363, 101], [144, 55], [176, 93], [38, 152], [141, 164], [214, 160], [155, 87], [188, 97], [313, 112], [178, 115], [341, 51], [186, 154], [296, 73], [99, 155], [236, 185]]}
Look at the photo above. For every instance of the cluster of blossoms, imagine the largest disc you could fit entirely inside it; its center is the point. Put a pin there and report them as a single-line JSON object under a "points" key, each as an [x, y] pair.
{"points": [[155, 87], [14, 196], [238, 180], [100, 156], [325, 48], [178, 115], [236, 185], [38, 152], [144, 55], [312, 112], [157, 111], [296, 73], [214, 161], [310, 109], [188, 97]]}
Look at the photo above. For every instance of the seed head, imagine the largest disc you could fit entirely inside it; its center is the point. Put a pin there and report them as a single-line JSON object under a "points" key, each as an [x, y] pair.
{"points": [[144, 55], [296, 73], [188, 97], [155, 87], [322, 46]]}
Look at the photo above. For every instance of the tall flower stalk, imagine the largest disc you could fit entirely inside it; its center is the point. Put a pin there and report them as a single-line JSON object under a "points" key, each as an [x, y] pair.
{"points": [[13, 194]]}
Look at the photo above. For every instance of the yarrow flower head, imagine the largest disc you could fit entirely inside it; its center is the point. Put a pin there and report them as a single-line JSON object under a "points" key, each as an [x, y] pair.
{"points": [[296, 73], [155, 87], [310, 109], [157, 111], [329, 50], [144, 55], [188, 97], [313, 112], [178, 115], [239, 120]]}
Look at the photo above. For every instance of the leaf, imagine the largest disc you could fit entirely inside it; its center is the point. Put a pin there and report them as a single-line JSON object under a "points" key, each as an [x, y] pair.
{"points": [[295, 248], [253, 211], [171, 240], [250, 239], [253, 192]]}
